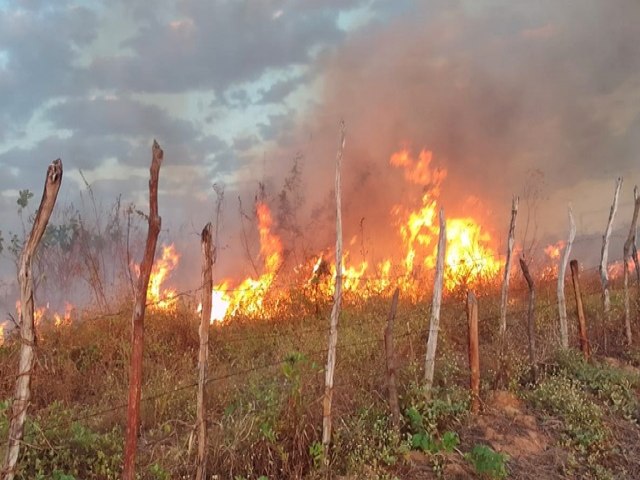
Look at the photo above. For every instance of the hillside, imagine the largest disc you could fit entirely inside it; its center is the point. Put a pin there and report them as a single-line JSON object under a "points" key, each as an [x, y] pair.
{"points": [[580, 420]]}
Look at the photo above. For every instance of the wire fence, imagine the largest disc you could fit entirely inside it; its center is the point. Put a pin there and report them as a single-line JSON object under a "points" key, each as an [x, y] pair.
{"points": [[237, 337]]}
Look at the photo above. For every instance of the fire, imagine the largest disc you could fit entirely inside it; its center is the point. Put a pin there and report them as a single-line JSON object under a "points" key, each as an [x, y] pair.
{"points": [[1, 335], [616, 269], [553, 251], [38, 312], [65, 319], [248, 296], [470, 257], [471, 252], [157, 296], [418, 171]]}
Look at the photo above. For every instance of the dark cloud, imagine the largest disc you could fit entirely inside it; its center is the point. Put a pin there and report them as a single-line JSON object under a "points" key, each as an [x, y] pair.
{"points": [[216, 44], [277, 92], [40, 44], [120, 117]]}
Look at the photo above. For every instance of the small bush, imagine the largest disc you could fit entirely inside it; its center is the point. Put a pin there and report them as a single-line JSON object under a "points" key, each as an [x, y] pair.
{"points": [[487, 462]]}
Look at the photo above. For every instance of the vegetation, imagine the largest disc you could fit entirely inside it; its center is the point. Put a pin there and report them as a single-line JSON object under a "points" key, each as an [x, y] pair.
{"points": [[265, 398]]}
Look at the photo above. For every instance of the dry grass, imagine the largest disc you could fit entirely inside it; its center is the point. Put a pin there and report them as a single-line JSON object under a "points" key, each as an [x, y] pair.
{"points": [[265, 393]]}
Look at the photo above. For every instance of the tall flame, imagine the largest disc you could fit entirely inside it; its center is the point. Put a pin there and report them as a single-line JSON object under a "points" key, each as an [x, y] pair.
{"points": [[158, 296], [249, 295], [470, 256]]}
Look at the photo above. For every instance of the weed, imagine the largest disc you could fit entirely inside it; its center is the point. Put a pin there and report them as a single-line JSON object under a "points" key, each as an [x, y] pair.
{"points": [[487, 462], [609, 384]]}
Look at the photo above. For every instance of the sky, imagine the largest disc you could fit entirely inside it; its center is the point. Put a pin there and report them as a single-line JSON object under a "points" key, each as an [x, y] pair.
{"points": [[507, 95]]}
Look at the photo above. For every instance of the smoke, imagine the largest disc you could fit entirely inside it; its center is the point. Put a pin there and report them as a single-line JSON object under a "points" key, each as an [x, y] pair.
{"points": [[495, 92]]}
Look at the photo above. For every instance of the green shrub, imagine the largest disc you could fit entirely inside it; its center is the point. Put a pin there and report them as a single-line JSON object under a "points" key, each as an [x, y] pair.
{"points": [[609, 384], [487, 462], [63, 449]]}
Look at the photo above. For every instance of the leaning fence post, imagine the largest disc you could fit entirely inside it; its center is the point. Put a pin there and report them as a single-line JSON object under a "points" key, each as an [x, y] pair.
{"points": [[531, 318], [631, 240], [22, 394], [582, 323], [203, 355], [391, 362], [507, 267], [604, 260], [562, 303], [135, 375], [335, 314], [505, 292], [474, 351], [434, 322]]}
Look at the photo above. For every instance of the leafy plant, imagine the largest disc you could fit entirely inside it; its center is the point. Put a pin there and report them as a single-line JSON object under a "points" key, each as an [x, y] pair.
{"points": [[609, 384], [422, 440], [488, 462], [316, 451]]}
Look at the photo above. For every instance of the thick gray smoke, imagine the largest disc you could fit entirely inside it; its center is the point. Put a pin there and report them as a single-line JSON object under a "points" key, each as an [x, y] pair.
{"points": [[506, 95]]}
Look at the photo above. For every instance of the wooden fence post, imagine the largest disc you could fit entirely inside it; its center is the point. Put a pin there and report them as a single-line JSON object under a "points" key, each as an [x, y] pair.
{"points": [[507, 267], [22, 393], [562, 303], [140, 305], [582, 323], [531, 318], [631, 240], [604, 260], [434, 322], [335, 315], [474, 351], [203, 355], [394, 406]]}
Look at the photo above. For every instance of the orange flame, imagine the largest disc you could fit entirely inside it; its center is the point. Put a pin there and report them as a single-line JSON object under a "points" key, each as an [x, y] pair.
{"points": [[470, 257], [65, 319], [419, 171], [248, 297], [158, 297], [553, 251], [471, 252], [38, 313]]}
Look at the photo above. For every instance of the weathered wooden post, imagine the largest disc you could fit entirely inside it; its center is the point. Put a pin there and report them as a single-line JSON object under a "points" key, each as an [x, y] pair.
{"points": [[392, 389], [631, 240], [434, 322], [502, 363], [507, 267], [474, 351], [335, 314], [582, 323], [562, 303], [203, 355], [604, 260], [531, 318], [140, 305], [22, 393]]}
